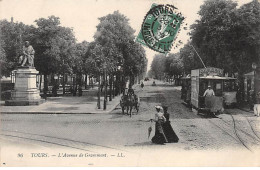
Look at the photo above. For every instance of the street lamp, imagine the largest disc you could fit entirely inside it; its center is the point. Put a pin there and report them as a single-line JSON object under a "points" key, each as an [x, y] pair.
{"points": [[119, 77], [56, 78], [74, 87]]}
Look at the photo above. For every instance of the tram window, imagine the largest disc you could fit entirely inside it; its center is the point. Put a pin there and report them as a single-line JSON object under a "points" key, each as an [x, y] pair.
{"points": [[218, 89], [229, 86], [218, 86]]}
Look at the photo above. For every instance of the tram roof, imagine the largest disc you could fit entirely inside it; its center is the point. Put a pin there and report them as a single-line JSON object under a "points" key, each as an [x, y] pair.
{"points": [[217, 78]]}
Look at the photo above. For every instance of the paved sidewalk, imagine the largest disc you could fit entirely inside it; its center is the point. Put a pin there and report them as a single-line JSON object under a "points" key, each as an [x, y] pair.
{"points": [[86, 104]]}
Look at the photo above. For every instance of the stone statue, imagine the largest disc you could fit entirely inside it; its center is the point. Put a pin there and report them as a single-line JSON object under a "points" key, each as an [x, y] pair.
{"points": [[27, 59]]}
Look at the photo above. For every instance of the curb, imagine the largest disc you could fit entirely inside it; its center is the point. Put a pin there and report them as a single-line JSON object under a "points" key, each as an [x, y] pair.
{"points": [[53, 112], [248, 111]]}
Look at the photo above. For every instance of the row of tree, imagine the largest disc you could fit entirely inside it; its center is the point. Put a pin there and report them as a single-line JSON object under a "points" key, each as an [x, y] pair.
{"points": [[113, 53], [225, 36], [166, 67]]}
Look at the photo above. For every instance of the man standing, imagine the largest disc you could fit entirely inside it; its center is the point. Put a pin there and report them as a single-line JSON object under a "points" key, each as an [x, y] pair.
{"points": [[209, 92], [28, 55], [130, 91]]}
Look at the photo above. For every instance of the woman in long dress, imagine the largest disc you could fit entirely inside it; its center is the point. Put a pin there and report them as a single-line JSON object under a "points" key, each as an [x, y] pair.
{"points": [[159, 137], [167, 128]]}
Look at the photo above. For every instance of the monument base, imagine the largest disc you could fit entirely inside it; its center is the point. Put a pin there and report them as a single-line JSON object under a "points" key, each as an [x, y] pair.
{"points": [[24, 102], [26, 92]]}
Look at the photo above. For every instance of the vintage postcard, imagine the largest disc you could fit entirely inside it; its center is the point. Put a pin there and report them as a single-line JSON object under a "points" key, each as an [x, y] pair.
{"points": [[130, 83]]}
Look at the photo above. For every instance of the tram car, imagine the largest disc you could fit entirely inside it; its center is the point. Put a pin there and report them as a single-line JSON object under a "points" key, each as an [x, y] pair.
{"points": [[223, 87]]}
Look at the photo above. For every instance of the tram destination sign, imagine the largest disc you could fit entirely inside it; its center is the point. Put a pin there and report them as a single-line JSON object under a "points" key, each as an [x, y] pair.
{"points": [[211, 71]]}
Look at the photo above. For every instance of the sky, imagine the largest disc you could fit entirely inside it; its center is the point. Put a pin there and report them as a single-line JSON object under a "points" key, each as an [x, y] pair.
{"points": [[82, 15]]}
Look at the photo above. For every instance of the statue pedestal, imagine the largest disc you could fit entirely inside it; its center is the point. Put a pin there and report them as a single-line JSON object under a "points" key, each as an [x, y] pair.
{"points": [[25, 90]]}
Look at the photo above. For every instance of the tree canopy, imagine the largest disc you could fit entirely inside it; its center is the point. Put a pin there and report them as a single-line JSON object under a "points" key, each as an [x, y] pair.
{"points": [[54, 46], [116, 47], [12, 36], [225, 36]]}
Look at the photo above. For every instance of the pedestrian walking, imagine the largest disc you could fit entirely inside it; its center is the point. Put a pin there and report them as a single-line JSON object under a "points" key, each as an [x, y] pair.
{"points": [[142, 85], [168, 130], [257, 105], [159, 137]]}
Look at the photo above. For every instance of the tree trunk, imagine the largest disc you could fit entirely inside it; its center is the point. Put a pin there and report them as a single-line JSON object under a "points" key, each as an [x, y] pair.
{"points": [[40, 85], [52, 85], [98, 102], [86, 81], [113, 85], [74, 85], [89, 80], [80, 84], [45, 88], [63, 83], [119, 84], [105, 91], [110, 87], [123, 84], [130, 81], [240, 91]]}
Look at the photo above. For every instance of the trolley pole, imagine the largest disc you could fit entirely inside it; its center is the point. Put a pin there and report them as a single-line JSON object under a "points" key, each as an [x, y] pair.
{"points": [[198, 55]]}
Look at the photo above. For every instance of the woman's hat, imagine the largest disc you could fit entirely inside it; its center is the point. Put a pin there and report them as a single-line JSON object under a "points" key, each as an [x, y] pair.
{"points": [[158, 107]]}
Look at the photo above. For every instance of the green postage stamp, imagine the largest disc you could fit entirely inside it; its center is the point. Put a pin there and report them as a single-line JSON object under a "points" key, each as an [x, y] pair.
{"points": [[160, 28]]}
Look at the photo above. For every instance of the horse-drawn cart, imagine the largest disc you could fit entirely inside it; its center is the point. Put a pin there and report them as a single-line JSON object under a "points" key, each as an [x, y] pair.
{"points": [[128, 102]]}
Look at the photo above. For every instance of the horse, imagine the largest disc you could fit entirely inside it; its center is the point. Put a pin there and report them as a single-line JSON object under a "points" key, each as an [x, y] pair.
{"points": [[128, 102]]}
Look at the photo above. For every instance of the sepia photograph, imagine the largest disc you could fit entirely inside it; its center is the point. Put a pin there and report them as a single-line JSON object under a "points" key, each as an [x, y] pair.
{"points": [[130, 83]]}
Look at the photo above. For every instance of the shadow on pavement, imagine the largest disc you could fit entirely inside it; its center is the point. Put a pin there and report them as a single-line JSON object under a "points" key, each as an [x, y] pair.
{"points": [[142, 144]]}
